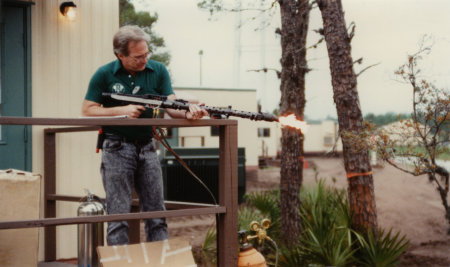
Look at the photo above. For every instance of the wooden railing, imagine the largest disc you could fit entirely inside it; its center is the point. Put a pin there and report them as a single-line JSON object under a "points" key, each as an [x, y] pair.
{"points": [[226, 210]]}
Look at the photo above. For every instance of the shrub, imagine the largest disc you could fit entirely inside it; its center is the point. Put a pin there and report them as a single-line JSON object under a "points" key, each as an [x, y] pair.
{"points": [[381, 250], [326, 238]]}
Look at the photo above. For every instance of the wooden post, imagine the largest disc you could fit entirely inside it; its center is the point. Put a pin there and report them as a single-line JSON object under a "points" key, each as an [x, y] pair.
{"points": [[227, 224], [134, 235], [50, 189]]}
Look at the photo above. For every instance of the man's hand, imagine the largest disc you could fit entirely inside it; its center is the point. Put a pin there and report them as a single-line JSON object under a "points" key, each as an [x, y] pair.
{"points": [[133, 111], [195, 112]]}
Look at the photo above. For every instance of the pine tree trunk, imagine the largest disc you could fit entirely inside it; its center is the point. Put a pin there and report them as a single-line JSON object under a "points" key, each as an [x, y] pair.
{"points": [[356, 159], [294, 27]]}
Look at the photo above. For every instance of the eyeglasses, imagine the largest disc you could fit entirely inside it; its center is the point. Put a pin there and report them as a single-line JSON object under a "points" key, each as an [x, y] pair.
{"points": [[145, 57]]}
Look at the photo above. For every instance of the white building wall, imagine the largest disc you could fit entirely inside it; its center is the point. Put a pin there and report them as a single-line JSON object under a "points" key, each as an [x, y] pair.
{"points": [[241, 99], [313, 138], [65, 54], [321, 137]]}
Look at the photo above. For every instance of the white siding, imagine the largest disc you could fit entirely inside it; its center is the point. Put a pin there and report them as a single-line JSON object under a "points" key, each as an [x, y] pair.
{"points": [[315, 137], [321, 137], [241, 99], [65, 54]]}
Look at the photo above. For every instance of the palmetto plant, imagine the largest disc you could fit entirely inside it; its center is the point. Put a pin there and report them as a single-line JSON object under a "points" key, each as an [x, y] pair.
{"points": [[326, 238], [209, 248], [246, 215], [291, 257], [381, 251], [268, 204]]}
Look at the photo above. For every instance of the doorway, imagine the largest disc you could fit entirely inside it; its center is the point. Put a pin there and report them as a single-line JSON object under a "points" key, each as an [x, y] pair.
{"points": [[15, 84]]}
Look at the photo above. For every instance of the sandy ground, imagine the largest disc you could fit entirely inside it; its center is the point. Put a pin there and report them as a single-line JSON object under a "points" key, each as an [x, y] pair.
{"points": [[405, 203]]}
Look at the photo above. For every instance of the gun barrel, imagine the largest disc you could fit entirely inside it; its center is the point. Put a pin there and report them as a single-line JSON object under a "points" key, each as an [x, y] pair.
{"points": [[257, 116], [273, 118]]}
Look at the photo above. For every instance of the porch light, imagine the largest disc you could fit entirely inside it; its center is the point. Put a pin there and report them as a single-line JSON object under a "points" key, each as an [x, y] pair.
{"points": [[68, 9]]}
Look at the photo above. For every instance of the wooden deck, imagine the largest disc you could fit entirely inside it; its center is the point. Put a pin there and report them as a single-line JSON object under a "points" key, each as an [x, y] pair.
{"points": [[226, 210]]}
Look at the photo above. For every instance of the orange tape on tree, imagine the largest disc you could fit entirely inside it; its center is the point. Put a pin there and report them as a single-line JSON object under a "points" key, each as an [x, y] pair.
{"points": [[354, 174]]}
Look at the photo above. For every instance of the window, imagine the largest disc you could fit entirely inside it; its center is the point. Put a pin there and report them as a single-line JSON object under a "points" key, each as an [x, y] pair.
{"points": [[328, 140], [215, 131], [263, 132]]}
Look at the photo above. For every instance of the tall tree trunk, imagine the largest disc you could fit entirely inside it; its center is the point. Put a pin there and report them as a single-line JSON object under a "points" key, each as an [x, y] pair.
{"points": [[356, 159], [294, 27]]}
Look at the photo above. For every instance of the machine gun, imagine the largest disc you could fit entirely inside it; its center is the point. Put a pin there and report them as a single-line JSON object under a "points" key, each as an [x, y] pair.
{"points": [[152, 101]]}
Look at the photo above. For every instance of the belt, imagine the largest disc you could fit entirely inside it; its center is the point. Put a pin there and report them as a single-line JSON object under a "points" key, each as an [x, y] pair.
{"points": [[137, 142]]}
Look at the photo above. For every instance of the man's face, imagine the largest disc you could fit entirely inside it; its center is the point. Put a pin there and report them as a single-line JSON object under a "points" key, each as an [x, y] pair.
{"points": [[137, 57]]}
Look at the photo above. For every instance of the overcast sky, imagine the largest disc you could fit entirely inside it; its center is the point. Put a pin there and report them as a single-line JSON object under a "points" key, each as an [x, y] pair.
{"points": [[386, 32]]}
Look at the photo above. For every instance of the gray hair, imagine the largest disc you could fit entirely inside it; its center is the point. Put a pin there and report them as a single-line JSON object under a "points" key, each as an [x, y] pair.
{"points": [[125, 35]]}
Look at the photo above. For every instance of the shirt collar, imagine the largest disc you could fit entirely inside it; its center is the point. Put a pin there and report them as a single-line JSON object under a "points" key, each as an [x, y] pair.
{"points": [[118, 66]]}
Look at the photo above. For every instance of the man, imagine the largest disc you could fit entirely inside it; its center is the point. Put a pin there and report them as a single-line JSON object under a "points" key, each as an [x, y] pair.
{"points": [[129, 158]]}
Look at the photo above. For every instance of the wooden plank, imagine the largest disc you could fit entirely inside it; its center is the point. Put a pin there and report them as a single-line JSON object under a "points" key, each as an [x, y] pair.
{"points": [[227, 225], [134, 233], [18, 3], [72, 129], [176, 205], [50, 188], [113, 121], [51, 222]]}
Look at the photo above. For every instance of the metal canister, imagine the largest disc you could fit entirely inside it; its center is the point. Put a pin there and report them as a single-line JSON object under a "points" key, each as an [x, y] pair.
{"points": [[248, 256], [90, 235]]}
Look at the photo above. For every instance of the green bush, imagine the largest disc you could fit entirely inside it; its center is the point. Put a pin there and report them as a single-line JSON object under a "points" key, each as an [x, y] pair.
{"points": [[268, 205], [209, 248], [326, 238], [383, 251]]}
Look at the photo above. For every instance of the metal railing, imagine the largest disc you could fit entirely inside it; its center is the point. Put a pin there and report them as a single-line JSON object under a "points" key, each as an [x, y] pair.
{"points": [[226, 210]]}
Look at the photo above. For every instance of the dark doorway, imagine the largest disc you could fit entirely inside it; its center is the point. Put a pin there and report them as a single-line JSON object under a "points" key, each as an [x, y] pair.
{"points": [[15, 84]]}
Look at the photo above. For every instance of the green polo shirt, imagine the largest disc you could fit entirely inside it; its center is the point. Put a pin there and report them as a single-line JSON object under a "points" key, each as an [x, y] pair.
{"points": [[113, 78]]}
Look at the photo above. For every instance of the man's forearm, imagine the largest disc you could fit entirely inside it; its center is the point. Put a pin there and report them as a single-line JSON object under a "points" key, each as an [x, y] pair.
{"points": [[181, 114], [194, 111], [93, 109], [96, 111]]}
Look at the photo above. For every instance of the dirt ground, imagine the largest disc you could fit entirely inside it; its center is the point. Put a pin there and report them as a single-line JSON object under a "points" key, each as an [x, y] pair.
{"points": [[405, 203]]}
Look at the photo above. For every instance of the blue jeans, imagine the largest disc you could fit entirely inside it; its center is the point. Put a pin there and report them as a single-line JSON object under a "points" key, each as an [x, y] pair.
{"points": [[124, 166]]}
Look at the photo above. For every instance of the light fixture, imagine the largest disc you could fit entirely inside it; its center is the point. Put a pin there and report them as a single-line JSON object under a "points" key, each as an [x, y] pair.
{"points": [[68, 9]]}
